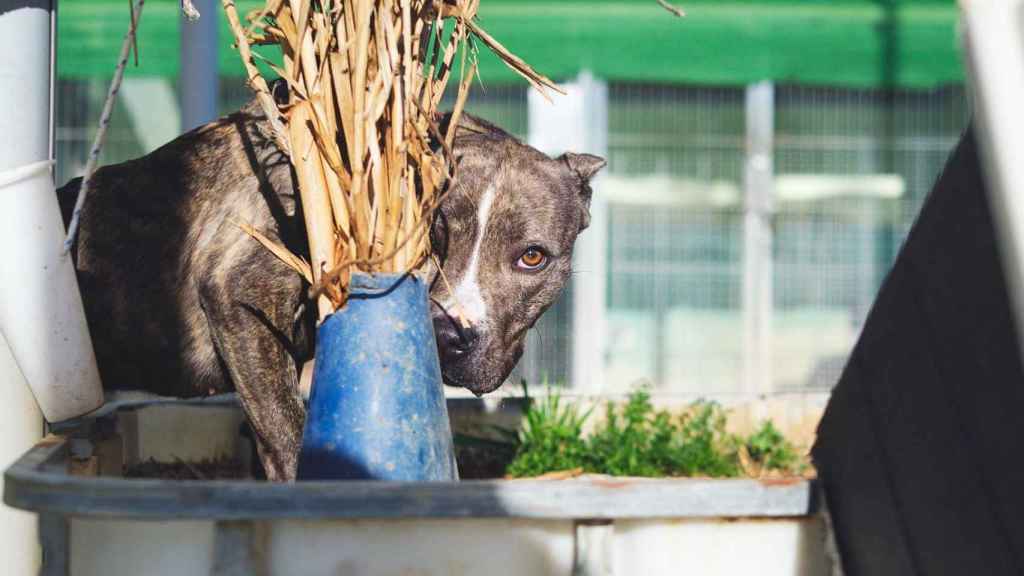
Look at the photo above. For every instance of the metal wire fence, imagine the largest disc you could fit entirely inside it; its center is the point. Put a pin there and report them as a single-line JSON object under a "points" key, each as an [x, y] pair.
{"points": [[852, 168], [875, 155], [675, 237]]}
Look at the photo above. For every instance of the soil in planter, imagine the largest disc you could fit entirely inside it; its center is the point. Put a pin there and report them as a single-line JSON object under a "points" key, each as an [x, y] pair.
{"points": [[218, 469], [481, 458], [476, 462]]}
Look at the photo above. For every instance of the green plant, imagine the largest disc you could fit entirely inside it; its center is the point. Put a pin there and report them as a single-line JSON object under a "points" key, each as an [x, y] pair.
{"points": [[624, 445], [551, 438], [636, 440], [705, 448], [770, 450]]}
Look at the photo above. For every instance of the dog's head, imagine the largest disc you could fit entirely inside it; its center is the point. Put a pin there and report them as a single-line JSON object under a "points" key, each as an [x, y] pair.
{"points": [[505, 236]]}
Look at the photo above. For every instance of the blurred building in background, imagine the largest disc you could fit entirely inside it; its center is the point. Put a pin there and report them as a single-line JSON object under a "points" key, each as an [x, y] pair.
{"points": [[766, 159]]}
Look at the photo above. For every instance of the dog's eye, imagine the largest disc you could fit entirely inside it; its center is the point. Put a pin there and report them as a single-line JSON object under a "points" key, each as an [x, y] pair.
{"points": [[533, 259]]}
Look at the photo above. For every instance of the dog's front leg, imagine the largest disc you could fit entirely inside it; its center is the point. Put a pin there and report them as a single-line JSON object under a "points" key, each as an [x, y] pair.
{"points": [[252, 318]]}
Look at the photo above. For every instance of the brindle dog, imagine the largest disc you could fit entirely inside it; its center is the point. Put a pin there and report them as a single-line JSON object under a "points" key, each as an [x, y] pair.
{"points": [[181, 302]]}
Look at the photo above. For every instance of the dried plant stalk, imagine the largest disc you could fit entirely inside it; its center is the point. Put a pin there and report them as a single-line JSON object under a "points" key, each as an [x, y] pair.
{"points": [[360, 126]]}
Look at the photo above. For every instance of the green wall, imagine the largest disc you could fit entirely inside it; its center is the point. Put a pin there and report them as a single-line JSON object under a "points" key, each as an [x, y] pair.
{"points": [[854, 43]]}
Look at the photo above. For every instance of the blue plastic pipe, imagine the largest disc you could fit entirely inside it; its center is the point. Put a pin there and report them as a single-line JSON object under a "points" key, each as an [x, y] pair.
{"points": [[377, 408]]}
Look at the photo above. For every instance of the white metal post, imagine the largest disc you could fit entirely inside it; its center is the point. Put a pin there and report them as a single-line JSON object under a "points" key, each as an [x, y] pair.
{"points": [[594, 549], [995, 46], [198, 73], [578, 122], [757, 239]]}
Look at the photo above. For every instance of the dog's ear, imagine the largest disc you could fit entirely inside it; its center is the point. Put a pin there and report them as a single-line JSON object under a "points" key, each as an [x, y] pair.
{"points": [[470, 125], [470, 133], [584, 167]]}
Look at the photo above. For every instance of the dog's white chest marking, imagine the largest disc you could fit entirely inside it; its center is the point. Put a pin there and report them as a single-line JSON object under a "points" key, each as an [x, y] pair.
{"points": [[467, 293]]}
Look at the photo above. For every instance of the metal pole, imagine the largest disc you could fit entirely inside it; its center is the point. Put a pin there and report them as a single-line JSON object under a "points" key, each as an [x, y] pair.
{"points": [[594, 548], [757, 239], [55, 538], [198, 79], [578, 122]]}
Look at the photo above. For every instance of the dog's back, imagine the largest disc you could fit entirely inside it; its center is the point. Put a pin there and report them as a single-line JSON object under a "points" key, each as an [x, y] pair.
{"points": [[156, 228]]}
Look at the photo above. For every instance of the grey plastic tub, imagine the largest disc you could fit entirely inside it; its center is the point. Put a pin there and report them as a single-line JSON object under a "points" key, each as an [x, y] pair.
{"points": [[103, 524]]}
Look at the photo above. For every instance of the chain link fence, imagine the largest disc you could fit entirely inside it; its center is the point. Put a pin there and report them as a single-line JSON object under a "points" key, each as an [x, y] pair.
{"points": [[852, 169]]}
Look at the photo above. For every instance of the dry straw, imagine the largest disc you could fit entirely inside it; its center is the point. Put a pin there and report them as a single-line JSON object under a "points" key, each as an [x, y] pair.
{"points": [[366, 78]]}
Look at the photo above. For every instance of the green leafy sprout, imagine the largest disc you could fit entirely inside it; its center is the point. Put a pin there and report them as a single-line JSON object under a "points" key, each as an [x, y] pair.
{"points": [[635, 439]]}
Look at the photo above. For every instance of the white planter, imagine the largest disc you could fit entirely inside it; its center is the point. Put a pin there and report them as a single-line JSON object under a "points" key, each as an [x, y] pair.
{"points": [[426, 547], [591, 526]]}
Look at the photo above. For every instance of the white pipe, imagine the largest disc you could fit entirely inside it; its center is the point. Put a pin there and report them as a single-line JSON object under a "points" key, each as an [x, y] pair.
{"points": [[41, 313], [20, 428], [22, 424]]}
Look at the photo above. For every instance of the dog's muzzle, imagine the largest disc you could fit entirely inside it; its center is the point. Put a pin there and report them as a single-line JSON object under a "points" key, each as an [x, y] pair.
{"points": [[454, 342]]}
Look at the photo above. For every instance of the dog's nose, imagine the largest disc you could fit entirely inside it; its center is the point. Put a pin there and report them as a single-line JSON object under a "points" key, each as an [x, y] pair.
{"points": [[453, 341]]}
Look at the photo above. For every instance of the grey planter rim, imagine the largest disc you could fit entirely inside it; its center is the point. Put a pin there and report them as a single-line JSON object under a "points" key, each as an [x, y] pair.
{"points": [[38, 482]]}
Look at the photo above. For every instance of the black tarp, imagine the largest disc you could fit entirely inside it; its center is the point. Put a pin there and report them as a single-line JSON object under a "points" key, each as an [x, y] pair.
{"points": [[920, 450]]}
